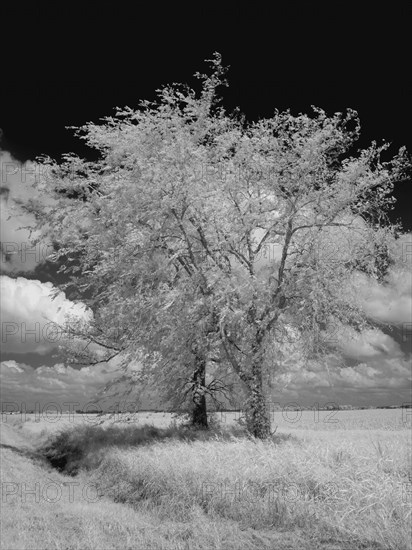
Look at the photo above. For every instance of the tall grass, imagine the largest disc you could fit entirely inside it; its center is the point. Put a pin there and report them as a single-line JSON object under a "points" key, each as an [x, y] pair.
{"points": [[348, 488], [334, 491], [83, 447]]}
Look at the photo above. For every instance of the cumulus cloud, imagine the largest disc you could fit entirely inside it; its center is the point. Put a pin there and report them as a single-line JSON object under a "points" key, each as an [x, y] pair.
{"points": [[22, 386], [18, 254], [391, 302], [29, 310], [371, 343], [21, 383], [378, 381]]}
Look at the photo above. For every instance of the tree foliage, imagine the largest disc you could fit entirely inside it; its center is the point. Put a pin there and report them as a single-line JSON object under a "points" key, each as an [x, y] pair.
{"points": [[199, 240]]}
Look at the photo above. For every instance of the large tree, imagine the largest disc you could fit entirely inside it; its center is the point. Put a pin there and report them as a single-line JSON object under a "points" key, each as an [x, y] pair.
{"points": [[208, 237], [130, 254]]}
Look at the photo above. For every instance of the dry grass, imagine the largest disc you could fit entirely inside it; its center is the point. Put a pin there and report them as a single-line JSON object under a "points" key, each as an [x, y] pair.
{"points": [[83, 447], [341, 489], [345, 489], [32, 518]]}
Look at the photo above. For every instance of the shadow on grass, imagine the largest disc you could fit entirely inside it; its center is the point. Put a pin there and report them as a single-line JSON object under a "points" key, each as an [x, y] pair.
{"points": [[83, 447]]}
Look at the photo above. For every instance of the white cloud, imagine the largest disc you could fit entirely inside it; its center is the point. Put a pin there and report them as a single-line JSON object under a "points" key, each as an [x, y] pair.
{"points": [[355, 385], [28, 314], [18, 254], [392, 302], [371, 343], [12, 365], [21, 383]]}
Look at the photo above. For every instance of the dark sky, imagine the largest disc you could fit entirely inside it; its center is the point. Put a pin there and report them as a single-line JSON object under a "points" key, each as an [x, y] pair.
{"points": [[65, 66]]}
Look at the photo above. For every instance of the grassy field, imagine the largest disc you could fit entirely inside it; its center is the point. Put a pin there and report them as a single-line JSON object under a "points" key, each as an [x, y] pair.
{"points": [[318, 484], [284, 420]]}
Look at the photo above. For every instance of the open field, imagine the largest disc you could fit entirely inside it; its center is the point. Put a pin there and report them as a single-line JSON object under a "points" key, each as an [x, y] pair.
{"points": [[285, 419], [344, 485]]}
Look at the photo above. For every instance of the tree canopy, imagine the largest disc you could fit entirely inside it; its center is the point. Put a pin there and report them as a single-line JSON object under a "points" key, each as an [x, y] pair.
{"points": [[202, 242]]}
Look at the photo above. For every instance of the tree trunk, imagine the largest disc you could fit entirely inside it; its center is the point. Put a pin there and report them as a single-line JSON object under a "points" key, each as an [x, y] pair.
{"points": [[257, 413], [199, 413]]}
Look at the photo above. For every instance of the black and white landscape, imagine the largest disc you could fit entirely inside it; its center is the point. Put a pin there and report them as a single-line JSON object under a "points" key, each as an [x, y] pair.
{"points": [[206, 302]]}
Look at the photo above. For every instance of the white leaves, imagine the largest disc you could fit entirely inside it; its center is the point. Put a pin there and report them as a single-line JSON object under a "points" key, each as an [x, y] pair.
{"points": [[170, 246]]}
